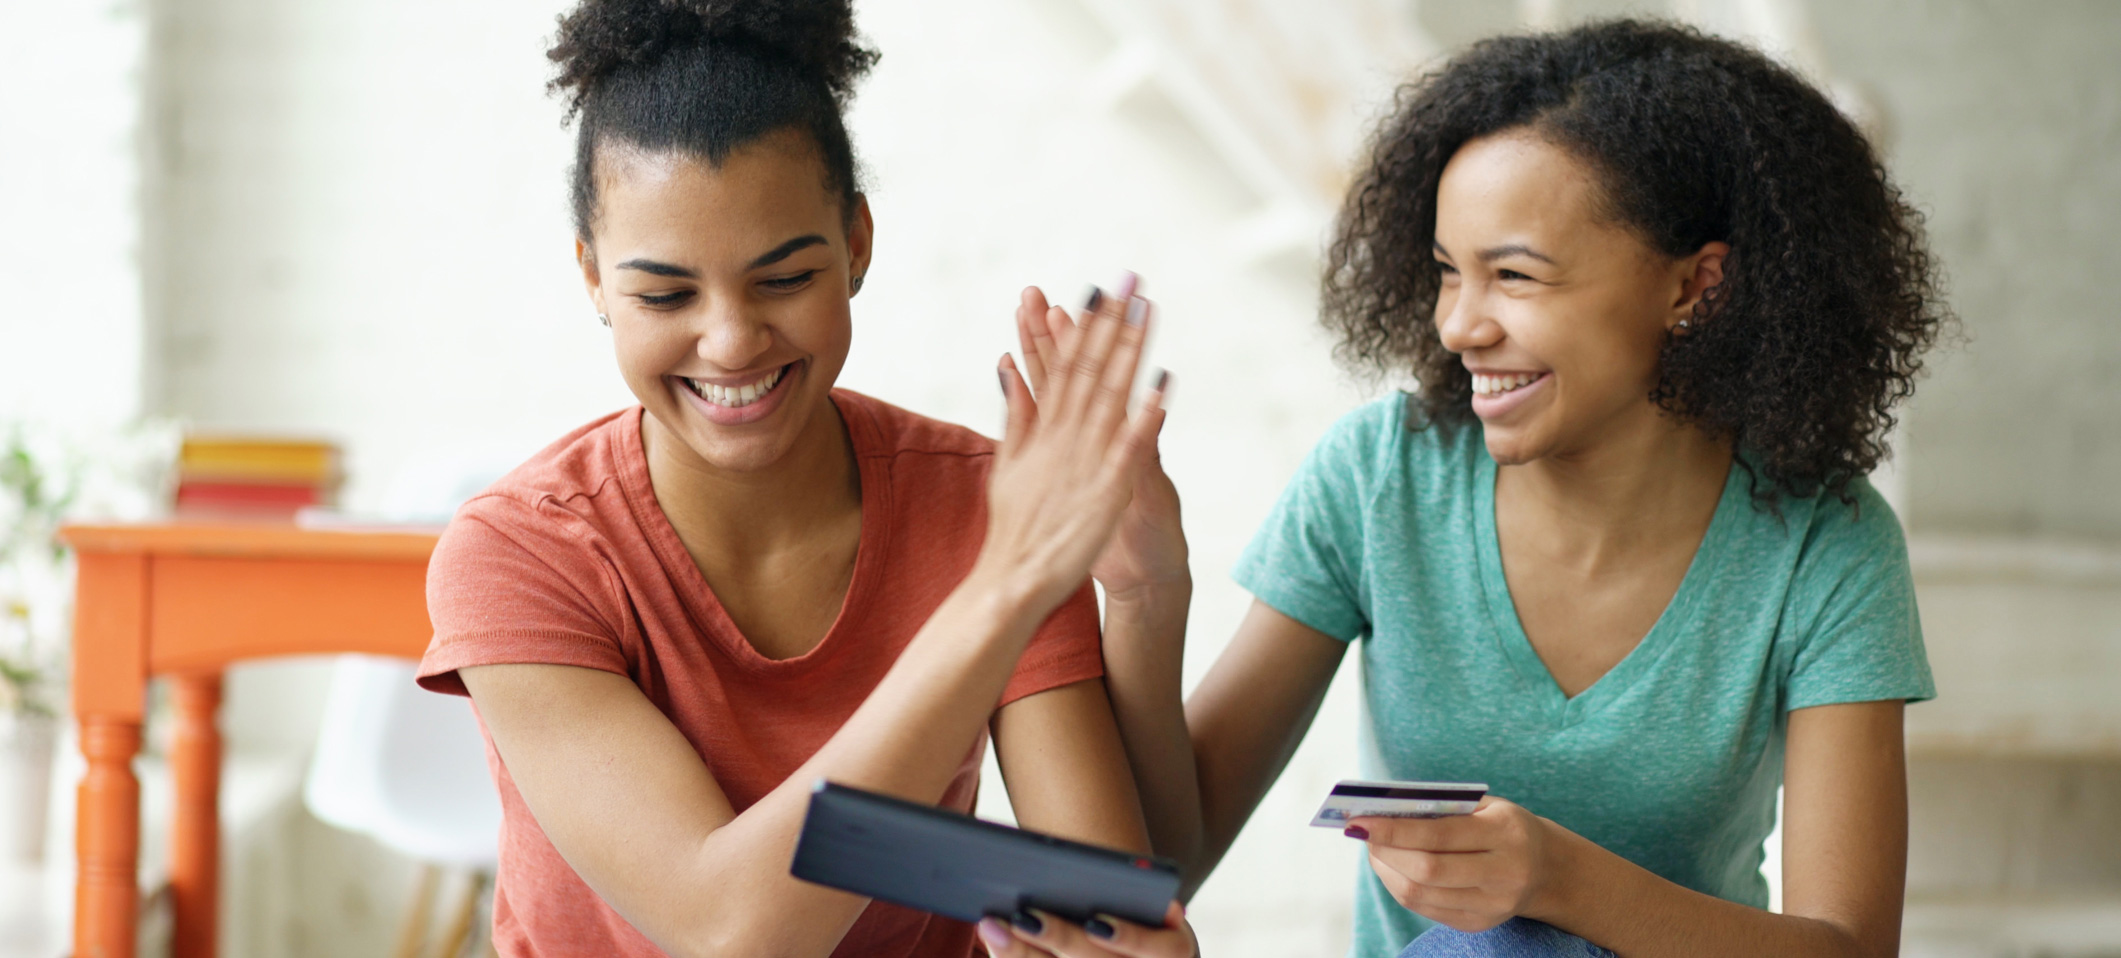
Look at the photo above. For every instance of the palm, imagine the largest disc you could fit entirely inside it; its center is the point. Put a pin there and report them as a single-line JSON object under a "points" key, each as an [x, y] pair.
{"points": [[1149, 547]]}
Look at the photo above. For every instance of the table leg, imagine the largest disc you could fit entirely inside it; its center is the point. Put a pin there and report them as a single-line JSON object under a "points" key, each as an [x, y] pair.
{"points": [[107, 840], [195, 849]]}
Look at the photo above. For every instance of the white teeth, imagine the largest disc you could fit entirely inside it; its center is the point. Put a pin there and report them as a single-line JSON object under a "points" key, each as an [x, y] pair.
{"points": [[1497, 385], [735, 396]]}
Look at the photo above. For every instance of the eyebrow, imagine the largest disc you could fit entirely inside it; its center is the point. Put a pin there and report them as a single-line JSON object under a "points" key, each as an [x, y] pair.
{"points": [[1493, 253], [769, 258], [786, 250]]}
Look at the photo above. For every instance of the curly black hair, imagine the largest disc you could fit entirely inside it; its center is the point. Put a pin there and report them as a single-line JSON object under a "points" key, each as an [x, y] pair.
{"points": [[1829, 296], [704, 77]]}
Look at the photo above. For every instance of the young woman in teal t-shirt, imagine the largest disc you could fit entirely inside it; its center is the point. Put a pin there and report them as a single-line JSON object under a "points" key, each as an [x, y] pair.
{"points": [[1616, 557]]}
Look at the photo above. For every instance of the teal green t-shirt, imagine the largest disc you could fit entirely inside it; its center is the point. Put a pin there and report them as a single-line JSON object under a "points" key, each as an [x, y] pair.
{"points": [[1672, 759]]}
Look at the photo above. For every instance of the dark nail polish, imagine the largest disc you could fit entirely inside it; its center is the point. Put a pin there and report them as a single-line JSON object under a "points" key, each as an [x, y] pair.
{"points": [[1100, 928], [1356, 832], [1029, 923], [1004, 377], [1091, 302], [1163, 379]]}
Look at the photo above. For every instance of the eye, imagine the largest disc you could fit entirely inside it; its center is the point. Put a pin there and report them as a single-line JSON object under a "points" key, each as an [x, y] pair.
{"points": [[664, 300], [1446, 268], [786, 284], [1510, 274]]}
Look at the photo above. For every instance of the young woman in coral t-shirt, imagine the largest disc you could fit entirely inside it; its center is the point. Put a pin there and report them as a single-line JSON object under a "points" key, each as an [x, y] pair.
{"points": [[676, 619]]}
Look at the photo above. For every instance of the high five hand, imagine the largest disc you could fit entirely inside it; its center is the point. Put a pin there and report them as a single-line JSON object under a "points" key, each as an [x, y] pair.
{"points": [[1068, 464], [1148, 548]]}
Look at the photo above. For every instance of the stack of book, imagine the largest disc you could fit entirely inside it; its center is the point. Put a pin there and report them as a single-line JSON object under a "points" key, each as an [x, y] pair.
{"points": [[237, 477]]}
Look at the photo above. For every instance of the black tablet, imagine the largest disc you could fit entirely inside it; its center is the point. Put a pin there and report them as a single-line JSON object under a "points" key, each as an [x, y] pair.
{"points": [[960, 867]]}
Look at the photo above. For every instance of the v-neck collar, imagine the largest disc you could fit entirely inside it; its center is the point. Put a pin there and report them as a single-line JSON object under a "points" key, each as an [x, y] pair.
{"points": [[701, 604], [1517, 646]]}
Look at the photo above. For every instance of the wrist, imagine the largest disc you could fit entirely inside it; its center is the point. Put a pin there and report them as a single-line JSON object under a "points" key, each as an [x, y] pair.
{"points": [[1014, 600], [1147, 599], [1565, 859]]}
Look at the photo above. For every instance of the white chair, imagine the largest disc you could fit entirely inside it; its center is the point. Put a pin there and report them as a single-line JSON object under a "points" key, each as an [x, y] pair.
{"points": [[407, 768]]}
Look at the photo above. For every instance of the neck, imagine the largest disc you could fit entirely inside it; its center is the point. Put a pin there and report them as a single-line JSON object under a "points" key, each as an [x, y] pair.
{"points": [[816, 479], [1636, 487]]}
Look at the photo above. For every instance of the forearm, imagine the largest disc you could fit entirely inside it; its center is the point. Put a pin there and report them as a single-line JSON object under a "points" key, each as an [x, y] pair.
{"points": [[908, 738], [1145, 634], [1617, 904]]}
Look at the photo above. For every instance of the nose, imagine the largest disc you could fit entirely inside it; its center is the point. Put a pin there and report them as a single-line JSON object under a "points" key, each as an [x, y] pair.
{"points": [[731, 335], [1463, 319]]}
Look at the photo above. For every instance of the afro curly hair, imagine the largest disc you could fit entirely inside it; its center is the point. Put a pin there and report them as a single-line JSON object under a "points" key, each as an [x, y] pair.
{"points": [[1829, 297]]}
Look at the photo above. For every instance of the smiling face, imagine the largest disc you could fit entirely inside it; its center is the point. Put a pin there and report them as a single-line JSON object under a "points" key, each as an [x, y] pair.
{"points": [[1558, 312], [727, 291]]}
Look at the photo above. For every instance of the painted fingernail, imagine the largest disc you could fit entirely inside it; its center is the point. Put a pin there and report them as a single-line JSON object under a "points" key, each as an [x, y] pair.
{"points": [[1029, 923], [1127, 282], [1100, 928], [1356, 832], [992, 932], [1163, 379], [1090, 302], [1004, 377], [1137, 311]]}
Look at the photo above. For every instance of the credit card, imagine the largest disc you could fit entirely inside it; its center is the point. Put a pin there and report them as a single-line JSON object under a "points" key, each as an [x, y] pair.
{"points": [[1356, 799]]}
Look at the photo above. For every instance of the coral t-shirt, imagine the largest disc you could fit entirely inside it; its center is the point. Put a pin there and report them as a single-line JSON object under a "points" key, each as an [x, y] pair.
{"points": [[569, 560]]}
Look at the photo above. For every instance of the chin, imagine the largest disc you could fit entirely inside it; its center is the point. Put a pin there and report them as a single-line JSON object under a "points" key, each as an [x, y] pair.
{"points": [[1510, 447]]}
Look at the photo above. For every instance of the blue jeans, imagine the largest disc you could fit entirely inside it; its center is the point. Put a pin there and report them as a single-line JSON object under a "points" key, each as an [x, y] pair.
{"points": [[1516, 938]]}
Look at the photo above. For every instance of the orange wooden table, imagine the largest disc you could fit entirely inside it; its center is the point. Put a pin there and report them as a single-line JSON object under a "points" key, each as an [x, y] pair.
{"points": [[184, 601]]}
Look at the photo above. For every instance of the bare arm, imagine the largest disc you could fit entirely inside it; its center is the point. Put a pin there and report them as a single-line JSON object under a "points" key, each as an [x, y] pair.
{"points": [[1197, 787], [634, 810], [1844, 861], [1247, 717], [1060, 754]]}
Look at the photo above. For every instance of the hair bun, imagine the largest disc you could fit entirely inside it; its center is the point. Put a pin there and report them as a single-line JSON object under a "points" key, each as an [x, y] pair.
{"points": [[601, 37]]}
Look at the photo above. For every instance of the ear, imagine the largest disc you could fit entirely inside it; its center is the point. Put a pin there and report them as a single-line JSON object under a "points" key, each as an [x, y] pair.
{"points": [[861, 237], [1697, 274], [586, 257]]}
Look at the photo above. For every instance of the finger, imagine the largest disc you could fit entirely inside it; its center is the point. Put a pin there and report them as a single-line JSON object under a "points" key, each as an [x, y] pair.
{"points": [[1001, 942], [1132, 454], [1023, 410], [1454, 833], [1086, 356], [1031, 330], [1435, 869], [1050, 935], [1123, 937], [1051, 336], [1416, 894], [1109, 404]]}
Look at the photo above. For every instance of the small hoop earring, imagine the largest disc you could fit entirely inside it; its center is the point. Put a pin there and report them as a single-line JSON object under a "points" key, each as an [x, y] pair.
{"points": [[857, 284], [606, 320]]}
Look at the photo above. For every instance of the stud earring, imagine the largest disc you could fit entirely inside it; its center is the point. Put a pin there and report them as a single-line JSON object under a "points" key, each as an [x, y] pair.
{"points": [[857, 285], [606, 320]]}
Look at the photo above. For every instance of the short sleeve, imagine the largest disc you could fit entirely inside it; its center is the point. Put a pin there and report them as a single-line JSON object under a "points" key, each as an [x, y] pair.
{"points": [[1065, 650], [507, 585], [1864, 640], [1306, 559]]}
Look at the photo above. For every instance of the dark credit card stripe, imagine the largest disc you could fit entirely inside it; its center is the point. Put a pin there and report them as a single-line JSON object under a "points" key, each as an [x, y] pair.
{"points": [[1430, 794]]}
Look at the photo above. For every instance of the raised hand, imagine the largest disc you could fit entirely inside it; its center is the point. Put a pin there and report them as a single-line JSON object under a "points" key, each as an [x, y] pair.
{"points": [[1068, 464], [1148, 548]]}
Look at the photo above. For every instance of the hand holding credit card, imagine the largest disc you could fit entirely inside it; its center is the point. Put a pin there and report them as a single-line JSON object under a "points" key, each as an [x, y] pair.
{"points": [[1354, 798]]}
